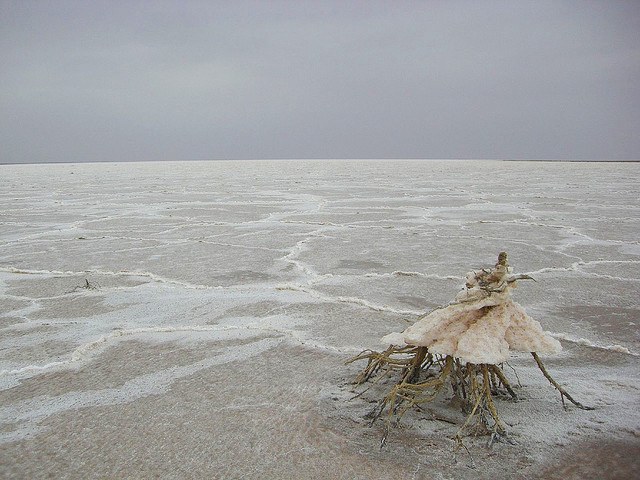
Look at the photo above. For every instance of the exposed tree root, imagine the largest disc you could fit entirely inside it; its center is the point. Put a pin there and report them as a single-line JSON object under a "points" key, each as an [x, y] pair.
{"points": [[563, 392], [482, 324], [423, 376], [402, 359]]}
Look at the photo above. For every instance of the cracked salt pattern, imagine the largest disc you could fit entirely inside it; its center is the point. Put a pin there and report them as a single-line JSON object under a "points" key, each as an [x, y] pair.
{"points": [[331, 255]]}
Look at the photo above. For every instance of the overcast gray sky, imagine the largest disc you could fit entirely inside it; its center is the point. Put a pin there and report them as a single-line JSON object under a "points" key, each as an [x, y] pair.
{"points": [[177, 80]]}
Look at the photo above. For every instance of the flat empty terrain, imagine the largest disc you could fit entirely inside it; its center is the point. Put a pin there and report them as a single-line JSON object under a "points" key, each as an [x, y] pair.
{"points": [[192, 319]]}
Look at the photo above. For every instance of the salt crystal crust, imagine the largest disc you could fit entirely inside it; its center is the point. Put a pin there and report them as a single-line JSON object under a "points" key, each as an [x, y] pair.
{"points": [[482, 324]]}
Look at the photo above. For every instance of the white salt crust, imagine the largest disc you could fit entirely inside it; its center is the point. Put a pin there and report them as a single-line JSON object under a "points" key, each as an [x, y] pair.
{"points": [[482, 325]]}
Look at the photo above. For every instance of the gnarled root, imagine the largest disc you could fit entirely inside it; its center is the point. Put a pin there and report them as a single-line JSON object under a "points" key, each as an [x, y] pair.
{"points": [[408, 360], [422, 378], [563, 392], [482, 383]]}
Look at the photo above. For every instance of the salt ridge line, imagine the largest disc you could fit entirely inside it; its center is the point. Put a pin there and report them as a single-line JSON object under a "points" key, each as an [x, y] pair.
{"points": [[571, 230], [308, 272], [33, 411], [84, 352], [159, 243], [341, 299], [124, 273], [159, 279], [588, 343], [293, 287], [187, 242], [300, 288], [401, 273], [89, 237], [295, 251], [575, 267], [340, 226]]}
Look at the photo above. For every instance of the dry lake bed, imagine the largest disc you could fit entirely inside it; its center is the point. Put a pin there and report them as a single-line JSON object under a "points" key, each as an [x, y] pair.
{"points": [[192, 319]]}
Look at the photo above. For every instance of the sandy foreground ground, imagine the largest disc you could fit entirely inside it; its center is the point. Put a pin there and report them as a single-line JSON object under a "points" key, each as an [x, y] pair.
{"points": [[192, 320]]}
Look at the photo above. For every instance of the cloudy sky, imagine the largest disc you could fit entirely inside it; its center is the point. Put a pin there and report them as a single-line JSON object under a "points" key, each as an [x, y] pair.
{"points": [[177, 80]]}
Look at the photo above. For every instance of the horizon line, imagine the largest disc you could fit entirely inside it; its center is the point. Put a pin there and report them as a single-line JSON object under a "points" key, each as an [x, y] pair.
{"points": [[74, 162]]}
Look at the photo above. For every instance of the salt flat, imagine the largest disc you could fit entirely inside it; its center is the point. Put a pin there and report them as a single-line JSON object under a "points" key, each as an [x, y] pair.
{"points": [[192, 319]]}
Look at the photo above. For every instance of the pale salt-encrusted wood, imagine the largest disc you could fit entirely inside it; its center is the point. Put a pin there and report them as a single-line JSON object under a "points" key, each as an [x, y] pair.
{"points": [[482, 324]]}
